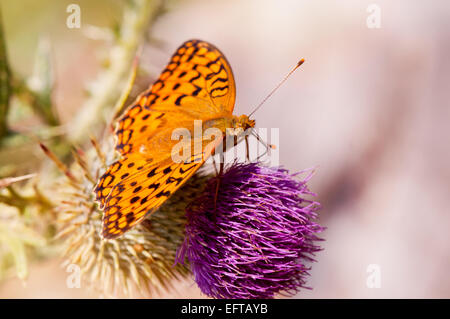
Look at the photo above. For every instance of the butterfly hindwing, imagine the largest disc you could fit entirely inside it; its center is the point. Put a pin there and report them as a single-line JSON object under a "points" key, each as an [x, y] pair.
{"points": [[116, 172], [141, 194]]}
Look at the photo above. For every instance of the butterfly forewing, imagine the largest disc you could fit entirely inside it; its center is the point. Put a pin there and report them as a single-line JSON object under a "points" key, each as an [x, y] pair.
{"points": [[197, 84]]}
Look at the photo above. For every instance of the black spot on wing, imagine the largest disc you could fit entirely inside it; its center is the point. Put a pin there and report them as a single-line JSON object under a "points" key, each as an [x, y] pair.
{"points": [[162, 193], [178, 100]]}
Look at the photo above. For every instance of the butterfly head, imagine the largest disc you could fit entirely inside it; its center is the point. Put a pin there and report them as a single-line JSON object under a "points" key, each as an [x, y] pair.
{"points": [[239, 124], [243, 123]]}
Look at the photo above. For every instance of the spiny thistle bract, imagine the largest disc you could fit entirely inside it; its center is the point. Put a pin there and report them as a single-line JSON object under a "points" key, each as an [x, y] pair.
{"points": [[143, 257], [255, 240]]}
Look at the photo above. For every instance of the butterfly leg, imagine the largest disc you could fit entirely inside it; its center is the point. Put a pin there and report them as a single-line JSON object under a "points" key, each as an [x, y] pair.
{"points": [[215, 165], [247, 151], [219, 178]]}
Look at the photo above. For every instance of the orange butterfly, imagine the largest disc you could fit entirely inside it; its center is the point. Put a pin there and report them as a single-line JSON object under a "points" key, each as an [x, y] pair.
{"points": [[197, 84]]}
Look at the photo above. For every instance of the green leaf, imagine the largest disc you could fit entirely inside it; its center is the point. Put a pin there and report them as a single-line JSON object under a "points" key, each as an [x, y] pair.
{"points": [[16, 240]]}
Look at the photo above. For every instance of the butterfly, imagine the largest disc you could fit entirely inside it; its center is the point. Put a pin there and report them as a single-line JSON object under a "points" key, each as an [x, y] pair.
{"points": [[197, 84]]}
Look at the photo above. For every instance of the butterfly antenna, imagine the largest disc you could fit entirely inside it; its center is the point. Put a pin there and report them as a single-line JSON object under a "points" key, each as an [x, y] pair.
{"points": [[279, 84]]}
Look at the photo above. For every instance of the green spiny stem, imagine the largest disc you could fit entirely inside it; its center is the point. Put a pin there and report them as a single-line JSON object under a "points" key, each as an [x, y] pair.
{"points": [[19, 201], [5, 83], [138, 16]]}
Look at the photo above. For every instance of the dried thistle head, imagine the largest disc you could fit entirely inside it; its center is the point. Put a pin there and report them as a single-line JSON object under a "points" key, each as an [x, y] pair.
{"points": [[144, 257]]}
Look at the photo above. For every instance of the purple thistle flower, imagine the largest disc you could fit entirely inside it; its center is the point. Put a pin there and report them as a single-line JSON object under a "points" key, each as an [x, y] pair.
{"points": [[255, 244]]}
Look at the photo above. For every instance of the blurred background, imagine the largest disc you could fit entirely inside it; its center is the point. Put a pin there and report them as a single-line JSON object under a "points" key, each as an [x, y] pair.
{"points": [[369, 107]]}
